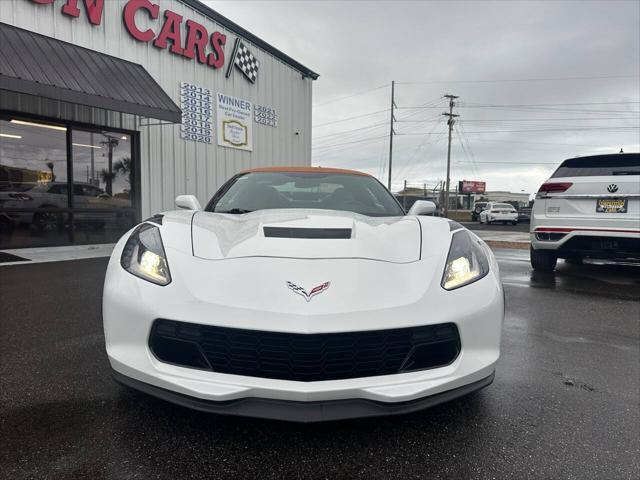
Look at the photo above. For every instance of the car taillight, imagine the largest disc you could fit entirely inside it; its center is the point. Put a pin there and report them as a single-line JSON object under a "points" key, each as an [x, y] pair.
{"points": [[20, 196], [554, 187]]}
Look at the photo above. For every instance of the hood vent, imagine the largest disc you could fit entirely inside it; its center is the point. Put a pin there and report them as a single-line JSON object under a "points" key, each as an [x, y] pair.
{"points": [[324, 233]]}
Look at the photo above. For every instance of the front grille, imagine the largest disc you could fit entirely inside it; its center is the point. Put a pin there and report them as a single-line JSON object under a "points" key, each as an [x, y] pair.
{"points": [[304, 357]]}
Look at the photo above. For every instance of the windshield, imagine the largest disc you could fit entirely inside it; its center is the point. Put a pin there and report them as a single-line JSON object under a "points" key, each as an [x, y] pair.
{"points": [[600, 165], [503, 205], [330, 191]]}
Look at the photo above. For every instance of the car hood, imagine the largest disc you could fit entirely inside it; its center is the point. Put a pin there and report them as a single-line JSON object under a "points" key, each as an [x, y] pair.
{"points": [[275, 233]]}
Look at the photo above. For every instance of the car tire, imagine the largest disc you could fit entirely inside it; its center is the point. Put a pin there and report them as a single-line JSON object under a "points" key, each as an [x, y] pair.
{"points": [[543, 260], [47, 221], [514, 223]]}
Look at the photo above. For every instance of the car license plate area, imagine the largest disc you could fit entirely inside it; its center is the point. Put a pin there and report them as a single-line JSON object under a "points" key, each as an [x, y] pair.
{"points": [[611, 205]]}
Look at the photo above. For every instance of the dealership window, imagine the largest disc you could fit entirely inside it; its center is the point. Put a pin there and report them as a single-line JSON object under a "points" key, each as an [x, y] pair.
{"points": [[62, 185]]}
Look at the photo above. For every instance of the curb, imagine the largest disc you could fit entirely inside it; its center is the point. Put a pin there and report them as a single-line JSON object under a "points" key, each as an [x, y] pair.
{"points": [[505, 244]]}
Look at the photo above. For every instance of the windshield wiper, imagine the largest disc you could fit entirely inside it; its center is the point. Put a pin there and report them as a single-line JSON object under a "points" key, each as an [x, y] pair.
{"points": [[626, 172], [235, 211]]}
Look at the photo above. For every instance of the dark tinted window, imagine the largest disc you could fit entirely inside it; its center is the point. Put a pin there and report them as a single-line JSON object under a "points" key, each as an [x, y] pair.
{"points": [[623, 164], [328, 191]]}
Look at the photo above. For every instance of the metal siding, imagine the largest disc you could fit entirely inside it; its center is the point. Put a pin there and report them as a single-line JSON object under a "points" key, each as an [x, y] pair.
{"points": [[171, 166]]}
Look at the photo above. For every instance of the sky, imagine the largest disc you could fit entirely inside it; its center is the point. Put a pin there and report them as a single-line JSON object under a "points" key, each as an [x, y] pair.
{"points": [[538, 82]]}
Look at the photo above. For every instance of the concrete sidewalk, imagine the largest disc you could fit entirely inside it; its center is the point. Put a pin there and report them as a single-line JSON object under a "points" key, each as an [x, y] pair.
{"points": [[502, 239], [57, 254], [502, 236]]}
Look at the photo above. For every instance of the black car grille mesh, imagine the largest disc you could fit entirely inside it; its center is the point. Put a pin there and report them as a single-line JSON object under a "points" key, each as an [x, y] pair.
{"points": [[304, 357]]}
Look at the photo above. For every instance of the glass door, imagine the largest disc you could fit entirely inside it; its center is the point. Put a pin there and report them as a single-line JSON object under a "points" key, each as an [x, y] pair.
{"points": [[103, 178], [60, 185]]}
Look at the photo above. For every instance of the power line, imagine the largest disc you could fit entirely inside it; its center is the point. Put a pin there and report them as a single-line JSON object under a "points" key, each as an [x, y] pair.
{"points": [[350, 118], [549, 79], [344, 132], [536, 130], [348, 143], [541, 143], [351, 96], [544, 119], [533, 109], [521, 163], [490, 105]]}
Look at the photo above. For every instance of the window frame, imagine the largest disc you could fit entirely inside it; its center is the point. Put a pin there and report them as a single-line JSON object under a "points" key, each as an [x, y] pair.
{"points": [[71, 126]]}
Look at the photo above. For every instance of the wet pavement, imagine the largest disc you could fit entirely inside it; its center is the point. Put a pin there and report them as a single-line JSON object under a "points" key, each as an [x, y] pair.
{"points": [[522, 227], [564, 403]]}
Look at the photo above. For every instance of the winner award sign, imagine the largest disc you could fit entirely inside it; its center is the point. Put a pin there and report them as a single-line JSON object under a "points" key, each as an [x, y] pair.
{"points": [[234, 122]]}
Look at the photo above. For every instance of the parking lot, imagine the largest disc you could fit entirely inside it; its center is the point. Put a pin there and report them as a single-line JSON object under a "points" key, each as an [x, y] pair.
{"points": [[564, 402]]}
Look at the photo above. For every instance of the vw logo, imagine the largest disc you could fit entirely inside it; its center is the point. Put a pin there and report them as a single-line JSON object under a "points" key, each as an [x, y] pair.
{"points": [[612, 188]]}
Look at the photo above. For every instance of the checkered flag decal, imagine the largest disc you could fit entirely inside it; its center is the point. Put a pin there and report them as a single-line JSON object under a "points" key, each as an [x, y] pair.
{"points": [[246, 62]]}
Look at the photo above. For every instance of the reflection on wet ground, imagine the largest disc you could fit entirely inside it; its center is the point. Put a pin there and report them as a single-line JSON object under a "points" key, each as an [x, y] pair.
{"points": [[593, 277]]}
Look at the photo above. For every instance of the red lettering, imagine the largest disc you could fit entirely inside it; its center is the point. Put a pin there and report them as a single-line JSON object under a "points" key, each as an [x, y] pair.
{"points": [[216, 59], [170, 31], [43, 2], [129, 17], [197, 37], [94, 9]]}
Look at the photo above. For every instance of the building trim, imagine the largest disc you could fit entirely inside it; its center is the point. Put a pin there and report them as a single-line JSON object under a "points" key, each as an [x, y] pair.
{"points": [[258, 42]]}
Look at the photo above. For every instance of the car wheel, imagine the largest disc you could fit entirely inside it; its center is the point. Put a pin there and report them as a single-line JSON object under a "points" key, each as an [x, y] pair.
{"points": [[543, 260], [514, 223], [488, 222], [47, 221]]}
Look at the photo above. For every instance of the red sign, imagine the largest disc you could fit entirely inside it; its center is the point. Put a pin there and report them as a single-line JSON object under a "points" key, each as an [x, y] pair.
{"points": [[469, 186], [198, 44]]}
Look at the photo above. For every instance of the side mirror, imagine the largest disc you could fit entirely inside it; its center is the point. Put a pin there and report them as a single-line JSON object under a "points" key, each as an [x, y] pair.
{"points": [[188, 202], [422, 207]]}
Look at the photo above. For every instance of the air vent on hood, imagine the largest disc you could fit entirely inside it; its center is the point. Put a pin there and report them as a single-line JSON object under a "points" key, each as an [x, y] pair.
{"points": [[288, 232]]}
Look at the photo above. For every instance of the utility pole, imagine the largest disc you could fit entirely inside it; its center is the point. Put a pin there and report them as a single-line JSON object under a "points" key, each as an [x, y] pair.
{"points": [[450, 122], [391, 131]]}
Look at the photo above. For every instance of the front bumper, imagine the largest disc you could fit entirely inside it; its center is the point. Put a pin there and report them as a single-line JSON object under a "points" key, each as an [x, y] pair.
{"points": [[304, 412], [595, 242], [216, 293]]}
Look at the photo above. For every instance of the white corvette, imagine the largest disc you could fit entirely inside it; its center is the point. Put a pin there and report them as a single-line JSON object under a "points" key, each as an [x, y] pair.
{"points": [[302, 294]]}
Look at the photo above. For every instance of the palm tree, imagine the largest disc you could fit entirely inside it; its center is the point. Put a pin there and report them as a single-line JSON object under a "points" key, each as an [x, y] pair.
{"points": [[50, 166], [123, 167], [107, 178]]}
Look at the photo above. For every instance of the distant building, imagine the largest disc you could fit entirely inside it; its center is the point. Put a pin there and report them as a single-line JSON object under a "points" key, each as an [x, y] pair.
{"points": [[500, 196]]}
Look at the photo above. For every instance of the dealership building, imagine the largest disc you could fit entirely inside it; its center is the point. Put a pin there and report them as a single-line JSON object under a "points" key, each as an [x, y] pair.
{"points": [[109, 109]]}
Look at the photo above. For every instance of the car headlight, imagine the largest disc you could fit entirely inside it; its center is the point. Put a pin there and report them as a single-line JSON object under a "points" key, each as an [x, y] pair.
{"points": [[466, 263], [144, 257]]}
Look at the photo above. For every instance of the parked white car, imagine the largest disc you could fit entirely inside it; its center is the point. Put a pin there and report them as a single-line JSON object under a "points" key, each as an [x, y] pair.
{"points": [[303, 294], [499, 212], [590, 207]]}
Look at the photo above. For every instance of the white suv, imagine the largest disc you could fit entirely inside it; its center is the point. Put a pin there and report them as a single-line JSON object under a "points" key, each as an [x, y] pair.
{"points": [[590, 207]]}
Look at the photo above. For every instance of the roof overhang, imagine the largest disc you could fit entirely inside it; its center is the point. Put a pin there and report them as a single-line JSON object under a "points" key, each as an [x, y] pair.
{"points": [[34, 64]]}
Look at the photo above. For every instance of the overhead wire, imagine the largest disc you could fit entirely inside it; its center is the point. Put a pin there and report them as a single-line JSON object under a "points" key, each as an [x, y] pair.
{"points": [[351, 96], [544, 79], [351, 118]]}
